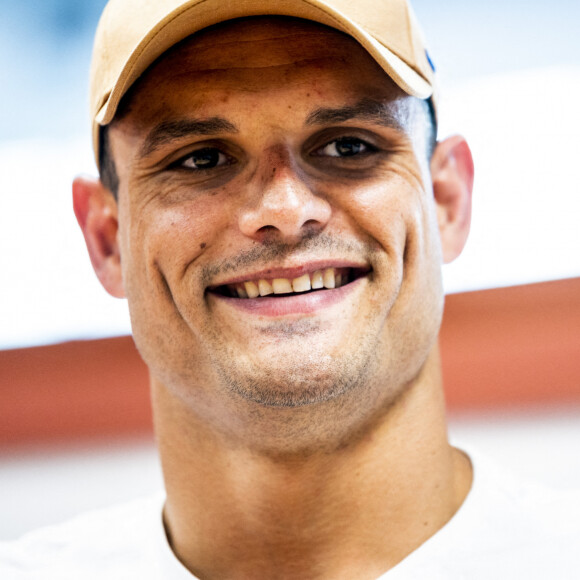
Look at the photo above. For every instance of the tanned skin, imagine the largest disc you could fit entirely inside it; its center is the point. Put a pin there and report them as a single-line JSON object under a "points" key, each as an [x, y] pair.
{"points": [[301, 437]]}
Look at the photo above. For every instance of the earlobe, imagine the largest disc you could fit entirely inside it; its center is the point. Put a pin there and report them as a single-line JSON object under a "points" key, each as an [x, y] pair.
{"points": [[96, 212], [452, 176]]}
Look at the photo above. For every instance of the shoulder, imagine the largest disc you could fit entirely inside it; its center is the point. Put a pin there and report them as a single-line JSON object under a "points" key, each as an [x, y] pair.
{"points": [[517, 525], [506, 528], [117, 542], [509, 498]]}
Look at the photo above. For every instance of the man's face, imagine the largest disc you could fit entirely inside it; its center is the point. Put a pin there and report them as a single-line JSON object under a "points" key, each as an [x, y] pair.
{"points": [[275, 156]]}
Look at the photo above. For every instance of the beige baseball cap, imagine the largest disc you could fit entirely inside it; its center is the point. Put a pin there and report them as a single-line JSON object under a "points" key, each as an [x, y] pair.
{"points": [[132, 34]]}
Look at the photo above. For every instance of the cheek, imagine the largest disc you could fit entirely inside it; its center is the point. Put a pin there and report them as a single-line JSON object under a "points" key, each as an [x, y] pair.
{"points": [[159, 245], [420, 303], [389, 211], [177, 236], [401, 219], [404, 224], [161, 241]]}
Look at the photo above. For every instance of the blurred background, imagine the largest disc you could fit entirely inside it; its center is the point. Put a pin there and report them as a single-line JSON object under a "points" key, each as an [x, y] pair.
{"points": [[509, 75]]}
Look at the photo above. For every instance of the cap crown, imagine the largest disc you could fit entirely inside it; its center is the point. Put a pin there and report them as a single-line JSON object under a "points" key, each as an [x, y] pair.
{"points": [[132, 34]]}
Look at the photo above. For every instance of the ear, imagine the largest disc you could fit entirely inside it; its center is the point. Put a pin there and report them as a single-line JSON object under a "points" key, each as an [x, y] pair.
{"points": [[96, 212], [452, 177]]}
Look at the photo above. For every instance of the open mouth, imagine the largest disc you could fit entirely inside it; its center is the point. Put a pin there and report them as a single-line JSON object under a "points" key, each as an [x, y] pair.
{"points": [[325, 279]]}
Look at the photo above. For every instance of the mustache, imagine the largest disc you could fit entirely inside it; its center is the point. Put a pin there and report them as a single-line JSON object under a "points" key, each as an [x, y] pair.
{"points": [[276, 250]]}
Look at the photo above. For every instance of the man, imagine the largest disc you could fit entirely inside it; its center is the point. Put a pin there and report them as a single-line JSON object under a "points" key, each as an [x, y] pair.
{"points": [[274, 207]]}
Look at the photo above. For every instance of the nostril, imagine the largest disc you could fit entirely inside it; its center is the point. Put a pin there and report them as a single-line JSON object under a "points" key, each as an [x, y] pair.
{"points": [[313, 227], [267, 229]]}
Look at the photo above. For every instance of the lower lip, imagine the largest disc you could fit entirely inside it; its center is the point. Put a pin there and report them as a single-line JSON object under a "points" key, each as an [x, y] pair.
{"points": [[309, 303]]}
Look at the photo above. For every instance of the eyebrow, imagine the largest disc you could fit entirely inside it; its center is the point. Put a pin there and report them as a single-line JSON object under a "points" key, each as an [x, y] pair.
{"points": [[168, 131], [366, 109]]}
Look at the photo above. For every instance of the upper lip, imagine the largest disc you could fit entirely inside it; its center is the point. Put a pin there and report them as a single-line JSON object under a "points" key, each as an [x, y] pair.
{"points": [[269, 273]]}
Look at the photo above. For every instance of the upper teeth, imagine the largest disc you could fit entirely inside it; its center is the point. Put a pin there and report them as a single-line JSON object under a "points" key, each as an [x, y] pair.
{"points": [[328, 278]]}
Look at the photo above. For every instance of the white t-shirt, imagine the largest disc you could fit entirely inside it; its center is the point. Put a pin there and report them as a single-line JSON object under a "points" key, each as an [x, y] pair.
{"points": [[505, 530]]}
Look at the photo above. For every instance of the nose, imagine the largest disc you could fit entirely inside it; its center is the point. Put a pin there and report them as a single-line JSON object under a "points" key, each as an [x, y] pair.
{"points": [[282, 203]]}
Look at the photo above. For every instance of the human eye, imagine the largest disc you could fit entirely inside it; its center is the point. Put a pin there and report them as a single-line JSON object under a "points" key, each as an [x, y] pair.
{"points": [[345, 147], [204, 159]]}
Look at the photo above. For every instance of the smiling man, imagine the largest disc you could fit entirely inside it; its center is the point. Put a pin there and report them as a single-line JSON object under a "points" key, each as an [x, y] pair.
{"points": [[275, 208]]}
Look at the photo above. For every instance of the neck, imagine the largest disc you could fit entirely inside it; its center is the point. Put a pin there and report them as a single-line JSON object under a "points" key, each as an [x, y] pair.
{"points": [[353, 510]]}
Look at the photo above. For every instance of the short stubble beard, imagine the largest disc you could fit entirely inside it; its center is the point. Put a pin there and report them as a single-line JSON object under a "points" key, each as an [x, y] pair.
{"points": [[295, 379]]}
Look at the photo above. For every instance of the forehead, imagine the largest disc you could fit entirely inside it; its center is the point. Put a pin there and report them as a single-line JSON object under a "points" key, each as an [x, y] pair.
{"points": [[259, 55], [264, 42]]}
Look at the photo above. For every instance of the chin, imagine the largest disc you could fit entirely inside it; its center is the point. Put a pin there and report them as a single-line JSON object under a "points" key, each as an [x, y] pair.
{"points": [[295, 381]]}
